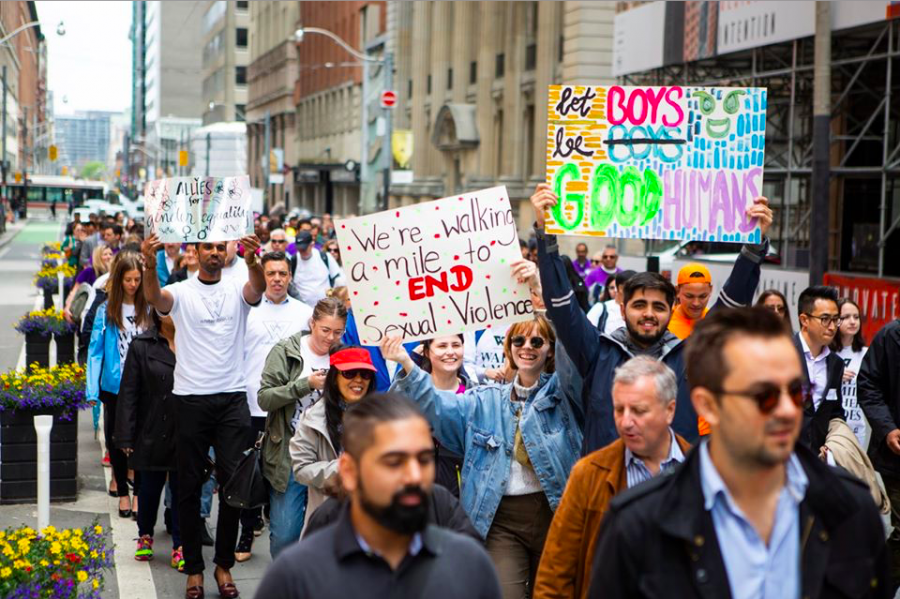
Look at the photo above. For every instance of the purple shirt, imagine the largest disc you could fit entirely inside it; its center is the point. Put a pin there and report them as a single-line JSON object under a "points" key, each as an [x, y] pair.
{"points": [[86, 276], [584, 269], [598, 276]]}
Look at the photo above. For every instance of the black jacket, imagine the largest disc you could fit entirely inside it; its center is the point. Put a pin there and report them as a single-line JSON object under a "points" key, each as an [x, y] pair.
{"points": [[815, 422], [177, 276], [878, 391], [444, 510], [87, 325], [145, 414], [658, 540]]}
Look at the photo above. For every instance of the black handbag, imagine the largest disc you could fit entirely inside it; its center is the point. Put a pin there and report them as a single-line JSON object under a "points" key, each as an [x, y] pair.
{"points": [[246, 488]]}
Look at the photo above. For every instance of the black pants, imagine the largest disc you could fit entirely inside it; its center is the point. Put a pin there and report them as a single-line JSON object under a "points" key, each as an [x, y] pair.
{"points": [[117, 459], [220, 420], [152, 484], [249, 518]]}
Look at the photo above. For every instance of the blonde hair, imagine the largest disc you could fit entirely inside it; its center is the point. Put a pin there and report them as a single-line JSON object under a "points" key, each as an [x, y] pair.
{"points": [[100, 267], [341, 293]]}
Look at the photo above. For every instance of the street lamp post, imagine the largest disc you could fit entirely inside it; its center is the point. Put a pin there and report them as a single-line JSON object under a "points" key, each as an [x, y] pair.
{"points": [[387, 63]]}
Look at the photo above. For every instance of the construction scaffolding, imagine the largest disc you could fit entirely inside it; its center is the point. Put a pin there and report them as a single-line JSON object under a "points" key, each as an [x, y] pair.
{"points": [[865, 140]]}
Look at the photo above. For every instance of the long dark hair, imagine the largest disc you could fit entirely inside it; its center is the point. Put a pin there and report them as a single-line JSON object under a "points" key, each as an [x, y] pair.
{"points": [[331, 395], [761, 302], [859, 340], [126, 261]]}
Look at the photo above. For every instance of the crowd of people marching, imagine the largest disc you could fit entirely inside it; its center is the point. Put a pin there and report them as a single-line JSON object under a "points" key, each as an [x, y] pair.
{"points": [[519, 461]]}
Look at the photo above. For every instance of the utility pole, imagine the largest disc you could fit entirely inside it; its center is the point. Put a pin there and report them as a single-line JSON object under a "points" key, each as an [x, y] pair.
{"points": [[818, 222], [208, 144], [3, 158], [265, 162], [389, 117], [25, 165]]}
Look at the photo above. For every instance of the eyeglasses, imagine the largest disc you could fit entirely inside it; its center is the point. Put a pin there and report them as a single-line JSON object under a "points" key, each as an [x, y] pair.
{"points": [[536, 342], [366, 375], [279, 241], [334, 250], [779, 309], [826, 319], [766, 395], [609, 257], [595, 261]]}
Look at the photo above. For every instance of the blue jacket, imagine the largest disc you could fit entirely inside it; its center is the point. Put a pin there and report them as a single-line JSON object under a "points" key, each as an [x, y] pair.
{"points": [[103, 368], [596, 355], [480, 425]]}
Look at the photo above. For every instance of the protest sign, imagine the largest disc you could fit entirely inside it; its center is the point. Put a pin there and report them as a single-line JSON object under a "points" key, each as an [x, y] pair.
{"points": [[436, 268], [189, 209], [656, 162]]}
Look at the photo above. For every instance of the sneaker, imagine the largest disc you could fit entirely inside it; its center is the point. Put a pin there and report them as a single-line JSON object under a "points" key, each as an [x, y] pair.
{"points": [[245, 544], [259, 527], [144, 551], [105, 461], [178, 559], [205, 536]]}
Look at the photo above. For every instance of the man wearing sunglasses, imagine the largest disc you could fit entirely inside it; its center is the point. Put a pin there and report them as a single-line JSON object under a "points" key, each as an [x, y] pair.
{"points": [[750, 509], [823, 370]]}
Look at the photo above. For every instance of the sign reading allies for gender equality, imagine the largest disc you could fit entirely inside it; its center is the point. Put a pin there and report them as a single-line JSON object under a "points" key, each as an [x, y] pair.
{"points": [[190, 209], [436, 268], [656, 162]]}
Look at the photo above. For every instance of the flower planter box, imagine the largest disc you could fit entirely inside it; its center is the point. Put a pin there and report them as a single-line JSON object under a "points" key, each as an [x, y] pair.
{"points": [[18, 457], [37, 349], [48, 299], [65, 348]]}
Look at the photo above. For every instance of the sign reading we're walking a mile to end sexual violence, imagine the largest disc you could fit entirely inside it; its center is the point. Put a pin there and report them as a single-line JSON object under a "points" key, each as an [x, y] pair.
{"points": [[191, 209], [436, 268], [656, 162]]}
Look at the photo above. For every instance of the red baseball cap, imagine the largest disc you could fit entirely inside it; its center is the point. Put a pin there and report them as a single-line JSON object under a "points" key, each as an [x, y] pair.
{"points": [[352, 358]]}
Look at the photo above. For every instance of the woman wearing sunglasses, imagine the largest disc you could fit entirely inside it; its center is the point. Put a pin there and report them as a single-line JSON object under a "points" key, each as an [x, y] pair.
{"points": [[316, 443], [519, 441]]}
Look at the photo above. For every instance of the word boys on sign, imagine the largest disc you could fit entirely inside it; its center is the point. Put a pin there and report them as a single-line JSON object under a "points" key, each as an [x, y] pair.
{"points": [[656, 162], [189, 209], [432, 269]]}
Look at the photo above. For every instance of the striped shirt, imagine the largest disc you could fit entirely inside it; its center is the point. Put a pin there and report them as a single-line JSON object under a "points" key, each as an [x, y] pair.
{"points": [[636, 471]]}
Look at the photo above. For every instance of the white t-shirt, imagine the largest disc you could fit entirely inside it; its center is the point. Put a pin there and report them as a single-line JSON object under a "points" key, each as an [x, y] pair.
{"points": [[313, 277], [268, 324], [855, 417], [311, 362], [238, 270], [210, 321], [489, 350], [129, 332]]}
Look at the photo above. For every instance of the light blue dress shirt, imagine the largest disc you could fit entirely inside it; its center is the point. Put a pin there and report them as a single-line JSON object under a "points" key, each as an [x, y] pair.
{"points": [[755, 570], [636, 471]]}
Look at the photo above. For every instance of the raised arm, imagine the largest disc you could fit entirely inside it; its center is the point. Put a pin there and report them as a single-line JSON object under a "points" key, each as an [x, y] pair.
{"points": [[157, 297], [580, 338], [256, 284], [741, 284]]}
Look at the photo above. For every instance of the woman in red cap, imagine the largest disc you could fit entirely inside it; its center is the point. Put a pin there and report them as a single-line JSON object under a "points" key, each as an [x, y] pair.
{"points": [[316, 443]]}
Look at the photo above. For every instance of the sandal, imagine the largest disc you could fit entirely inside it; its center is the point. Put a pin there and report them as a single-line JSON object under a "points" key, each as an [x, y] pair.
{"points": [[194, 592]]}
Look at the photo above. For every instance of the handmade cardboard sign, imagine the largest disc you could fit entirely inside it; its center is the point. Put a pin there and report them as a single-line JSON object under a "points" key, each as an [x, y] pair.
{"points": [[436, 268], [189, 209], [656, 162]]}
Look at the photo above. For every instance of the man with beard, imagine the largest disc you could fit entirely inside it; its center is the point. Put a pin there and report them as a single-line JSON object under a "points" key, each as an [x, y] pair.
{"points": [[750, 512], [382, 546], [647, 303], [210, 314]]}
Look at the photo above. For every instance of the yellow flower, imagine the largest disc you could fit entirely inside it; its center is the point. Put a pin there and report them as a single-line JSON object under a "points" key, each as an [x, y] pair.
{"points": [[95, 583], [5, 572], [82, 576], [55, 548], [44, 563], [98, 529], [94, 554]]}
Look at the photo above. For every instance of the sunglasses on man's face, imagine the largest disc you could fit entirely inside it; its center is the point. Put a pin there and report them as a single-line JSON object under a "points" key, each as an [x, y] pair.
{"points": [[767, 395], [536, 342], [279, 241], [593, 261], [366, 375]]}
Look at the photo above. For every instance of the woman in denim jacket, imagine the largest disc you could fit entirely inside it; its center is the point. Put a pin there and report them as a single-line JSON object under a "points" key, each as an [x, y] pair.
{"points": [[519, 442]]}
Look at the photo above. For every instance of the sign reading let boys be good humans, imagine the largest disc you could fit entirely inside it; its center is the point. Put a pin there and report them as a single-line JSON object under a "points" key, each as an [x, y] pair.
{"points": [[432, 269], [656, 162], [191, 209]]}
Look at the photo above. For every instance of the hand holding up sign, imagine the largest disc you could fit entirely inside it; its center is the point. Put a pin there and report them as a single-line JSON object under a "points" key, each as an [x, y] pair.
{"points": [[760, 210], [149, 247], [392, 349], [542, 200]]}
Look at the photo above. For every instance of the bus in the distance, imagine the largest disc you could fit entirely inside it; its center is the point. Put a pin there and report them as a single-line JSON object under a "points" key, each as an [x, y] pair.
{"points": [[46, 190]]}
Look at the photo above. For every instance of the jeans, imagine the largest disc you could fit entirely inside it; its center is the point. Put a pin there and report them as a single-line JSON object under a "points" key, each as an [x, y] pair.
{"points": [[286, 517], [515, 541], [152, 482], [221, 420]]}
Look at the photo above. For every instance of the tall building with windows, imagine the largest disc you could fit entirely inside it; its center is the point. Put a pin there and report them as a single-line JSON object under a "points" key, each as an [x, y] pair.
{"points": [[270, 100], [84, 137], [225, 35]]}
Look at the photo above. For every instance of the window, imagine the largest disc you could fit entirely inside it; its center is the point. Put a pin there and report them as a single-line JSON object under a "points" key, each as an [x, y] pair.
{"points": [[473, 72], [500, 66], [241, 37], [428, 84], [409, 88], [449, 78], [242, 5], [239, 114], [561, 49], [240, 76], [530, 56]]}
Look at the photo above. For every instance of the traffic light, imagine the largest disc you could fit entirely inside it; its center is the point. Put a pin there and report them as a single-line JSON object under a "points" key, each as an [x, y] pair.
{"points": [[52, 153], [183, 158]]}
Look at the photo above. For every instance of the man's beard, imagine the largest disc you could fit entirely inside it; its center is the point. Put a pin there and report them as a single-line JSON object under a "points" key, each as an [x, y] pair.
{"points": [[643, 339], [402, 519]]}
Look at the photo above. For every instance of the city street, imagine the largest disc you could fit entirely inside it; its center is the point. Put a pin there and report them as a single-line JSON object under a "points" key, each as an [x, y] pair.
{"points": [[20, 249]]}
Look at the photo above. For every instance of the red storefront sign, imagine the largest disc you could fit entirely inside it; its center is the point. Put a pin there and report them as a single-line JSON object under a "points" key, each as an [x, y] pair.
{"points": [[878, 299]]}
